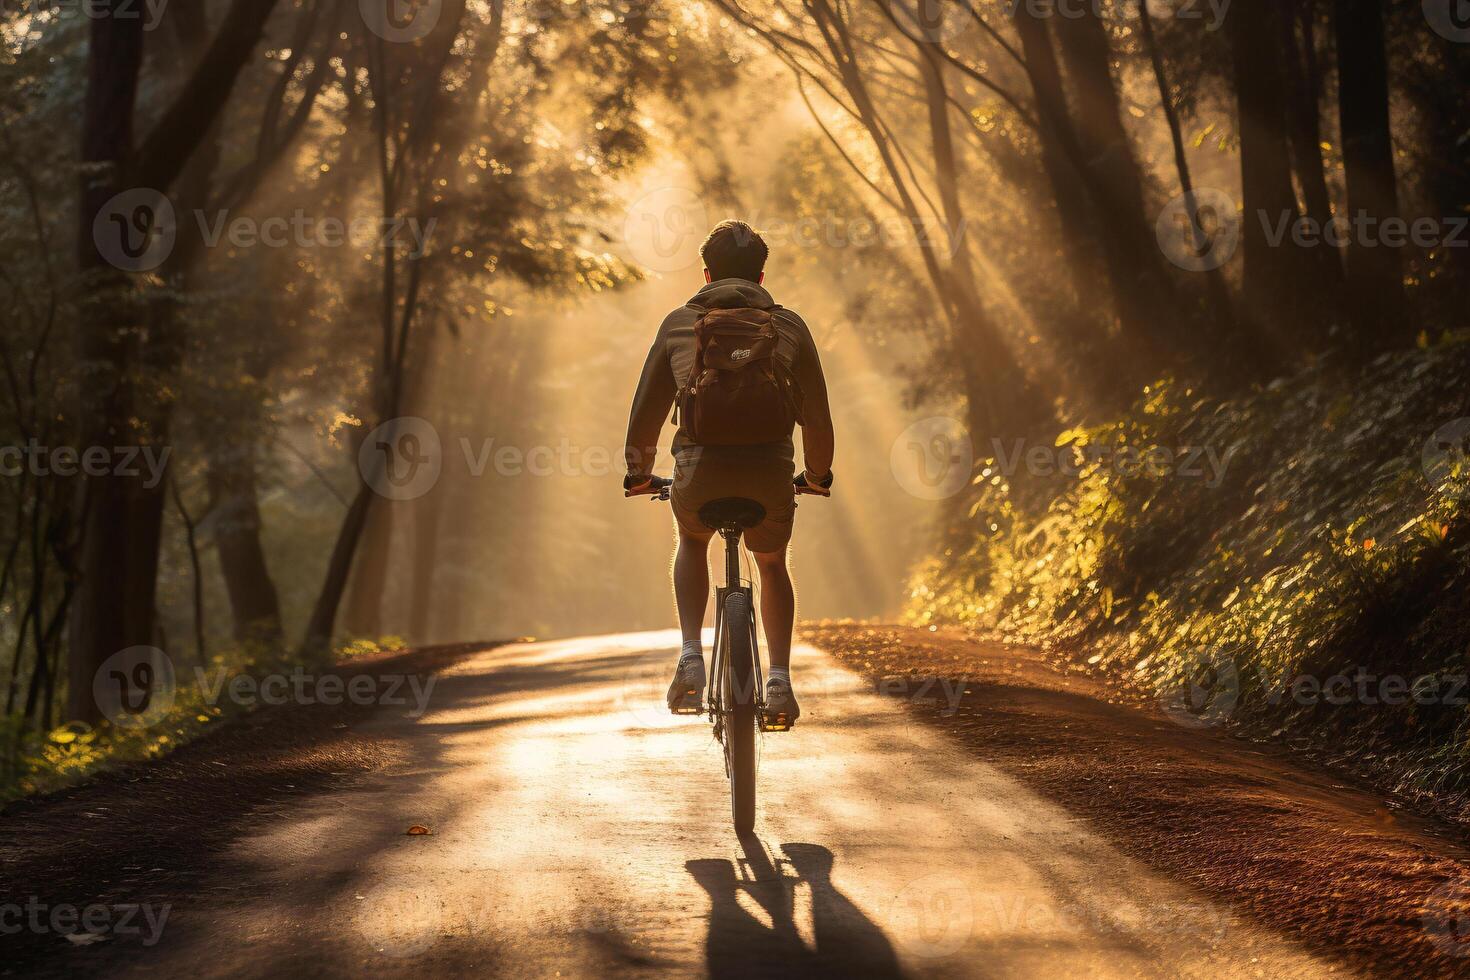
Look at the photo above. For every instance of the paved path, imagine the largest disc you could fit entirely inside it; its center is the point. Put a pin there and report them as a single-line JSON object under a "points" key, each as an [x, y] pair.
{"points": [[578, 830]]}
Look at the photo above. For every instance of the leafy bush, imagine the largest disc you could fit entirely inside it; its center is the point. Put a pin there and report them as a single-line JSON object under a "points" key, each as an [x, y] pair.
{"points": [[38, 764], [1330, 540]]}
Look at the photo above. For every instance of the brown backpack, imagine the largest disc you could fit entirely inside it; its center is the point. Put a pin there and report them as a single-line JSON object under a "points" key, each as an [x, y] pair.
{"points": [[739, 392]]}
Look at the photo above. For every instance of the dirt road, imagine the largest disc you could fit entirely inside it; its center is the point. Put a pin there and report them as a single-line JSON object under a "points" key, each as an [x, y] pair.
{"points": [[578, 830]]}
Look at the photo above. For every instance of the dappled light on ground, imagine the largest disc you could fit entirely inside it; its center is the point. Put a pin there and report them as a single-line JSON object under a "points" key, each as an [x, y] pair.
{"points": [[575, 832]]}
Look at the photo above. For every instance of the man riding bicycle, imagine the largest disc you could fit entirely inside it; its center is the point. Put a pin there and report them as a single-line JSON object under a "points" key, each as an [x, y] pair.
{"points": [[730, 359]]}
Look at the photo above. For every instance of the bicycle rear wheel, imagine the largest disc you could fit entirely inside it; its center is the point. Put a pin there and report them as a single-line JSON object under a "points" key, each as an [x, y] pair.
{"points": [[740, 713]]}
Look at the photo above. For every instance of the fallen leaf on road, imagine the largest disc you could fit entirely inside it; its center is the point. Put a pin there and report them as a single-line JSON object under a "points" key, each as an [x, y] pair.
{"points": [[85, 938], [419, 830]]}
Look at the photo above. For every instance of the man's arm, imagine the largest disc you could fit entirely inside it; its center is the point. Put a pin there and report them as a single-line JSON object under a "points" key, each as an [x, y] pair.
{"points": [[817, 439], [651, 404]]}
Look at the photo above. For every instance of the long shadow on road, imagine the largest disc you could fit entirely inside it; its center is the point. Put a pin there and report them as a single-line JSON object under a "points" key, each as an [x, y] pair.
{"points": [[846, 942]]}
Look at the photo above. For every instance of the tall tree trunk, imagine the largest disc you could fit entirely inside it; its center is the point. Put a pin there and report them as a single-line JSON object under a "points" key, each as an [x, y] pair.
{"points": [[363, 615], [235, 508], [122, 519], [113, 608], [1144, 294], [1275, 274], [1375, 272], [959, 273], [1447, 155], [1082, 246], [1218, 315], [323, 618], [424, 597], [398, 308], [978, 346], [1297, 23], [1303, 108]]}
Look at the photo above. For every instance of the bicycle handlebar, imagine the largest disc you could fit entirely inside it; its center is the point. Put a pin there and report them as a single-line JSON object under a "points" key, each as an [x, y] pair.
{"points": [[823, 489], [657, 487]]}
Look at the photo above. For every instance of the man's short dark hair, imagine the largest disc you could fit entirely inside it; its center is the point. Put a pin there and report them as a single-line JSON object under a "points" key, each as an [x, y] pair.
{"points": [[734, 250]]}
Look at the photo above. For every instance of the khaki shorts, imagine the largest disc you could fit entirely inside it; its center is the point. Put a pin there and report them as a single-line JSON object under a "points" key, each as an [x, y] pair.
{"points": [[759, 473]]}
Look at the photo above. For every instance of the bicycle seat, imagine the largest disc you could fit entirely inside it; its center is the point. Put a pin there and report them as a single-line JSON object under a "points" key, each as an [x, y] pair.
{"points": [[731, 512]]}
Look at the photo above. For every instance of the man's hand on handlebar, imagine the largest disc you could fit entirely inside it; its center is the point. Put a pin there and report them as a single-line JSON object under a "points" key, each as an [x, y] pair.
{"points": [[646, 485], [818, 488]]}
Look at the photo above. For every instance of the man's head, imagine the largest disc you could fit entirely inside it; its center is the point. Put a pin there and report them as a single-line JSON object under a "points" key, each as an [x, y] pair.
{"points": [[734, 250]]}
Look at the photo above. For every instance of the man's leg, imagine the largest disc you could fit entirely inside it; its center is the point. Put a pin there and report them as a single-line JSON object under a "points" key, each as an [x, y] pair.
{"points": [[691, 588], [691, 583], [778, 605]]}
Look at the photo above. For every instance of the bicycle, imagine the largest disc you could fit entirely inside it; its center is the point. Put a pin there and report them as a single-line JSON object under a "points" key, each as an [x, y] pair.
{"points": [[735, 698]]}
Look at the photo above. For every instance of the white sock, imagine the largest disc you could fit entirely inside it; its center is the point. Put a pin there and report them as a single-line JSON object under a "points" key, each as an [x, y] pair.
{"points": [[693, 650], [784, 673]]}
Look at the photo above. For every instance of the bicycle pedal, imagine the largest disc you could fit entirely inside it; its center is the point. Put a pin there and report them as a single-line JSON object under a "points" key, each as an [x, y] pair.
{"points": [[778, 722], [688, 704]]}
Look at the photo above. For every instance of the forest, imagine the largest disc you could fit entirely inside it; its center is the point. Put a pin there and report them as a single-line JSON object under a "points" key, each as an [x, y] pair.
{"points": [[1182, 282], [1130, 621]]}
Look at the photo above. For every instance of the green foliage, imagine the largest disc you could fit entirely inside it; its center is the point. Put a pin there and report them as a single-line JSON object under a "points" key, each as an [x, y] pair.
{"points": [[71, 752], [1321, 549], [363, 647], [74, 751]]}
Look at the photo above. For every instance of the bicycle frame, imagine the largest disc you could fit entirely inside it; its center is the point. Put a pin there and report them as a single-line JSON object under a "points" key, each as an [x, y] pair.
{"points": [[723, 682]]}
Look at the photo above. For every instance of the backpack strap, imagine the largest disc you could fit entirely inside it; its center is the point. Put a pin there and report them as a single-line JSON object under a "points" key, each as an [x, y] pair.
{"points": [[697, 367], [786, 377]]}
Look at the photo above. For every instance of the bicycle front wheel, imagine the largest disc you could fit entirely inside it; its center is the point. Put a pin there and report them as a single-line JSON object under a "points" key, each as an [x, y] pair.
{"points": [[740, 715]]}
